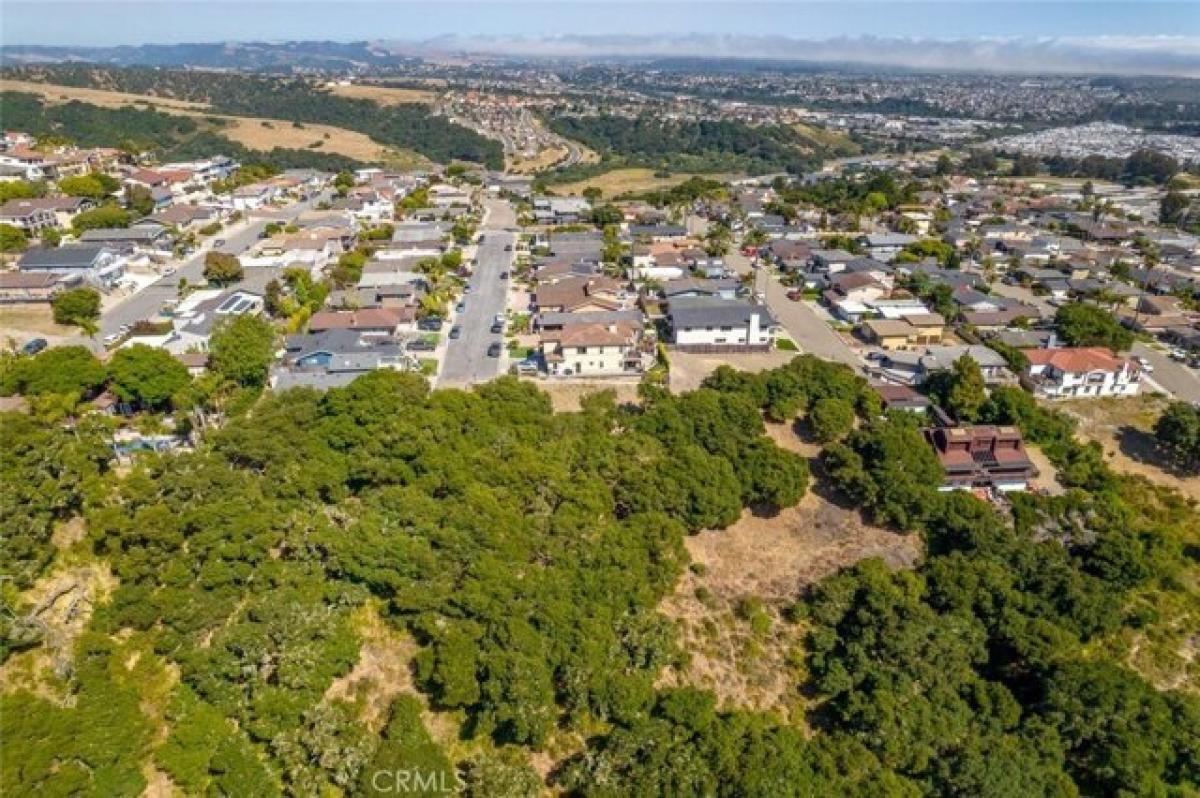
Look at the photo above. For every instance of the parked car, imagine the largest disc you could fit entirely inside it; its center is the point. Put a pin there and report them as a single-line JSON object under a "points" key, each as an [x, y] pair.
{"points": [[494, 349], [497, 328], [1145, 363], [220, 242], [168, 271], [467, 288], [526, 367], [460, 307], [112, 340], [503, 275], [498, 318], [508, 247], [34, 346], [420, 345], [795, 295], [455, 331], [430, 323]]}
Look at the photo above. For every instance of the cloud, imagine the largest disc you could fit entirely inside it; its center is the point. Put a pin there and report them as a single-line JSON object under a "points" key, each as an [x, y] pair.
{"points": [[1141, 55]]}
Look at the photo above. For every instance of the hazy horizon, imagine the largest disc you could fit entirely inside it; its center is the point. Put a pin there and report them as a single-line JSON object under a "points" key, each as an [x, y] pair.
{"points": [[1153, 38]]}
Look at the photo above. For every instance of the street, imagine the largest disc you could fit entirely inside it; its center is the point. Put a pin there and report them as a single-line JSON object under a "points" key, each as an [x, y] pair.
{"points": [[804, 325], [146, 303], [466, 361]]}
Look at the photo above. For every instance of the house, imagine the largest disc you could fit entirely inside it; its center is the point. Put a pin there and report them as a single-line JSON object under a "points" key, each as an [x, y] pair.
{"points": [[335, 357], [913, 366], [1081, 372], [560, 210], [914, 330], [705, 324], [829, 261], [689, 287], [18, 287], [981, 457], [185, 216], [252, 197], [148, 236], [886, 246], [580, 293], [370, 207], [30, 215], [89, 262], [592, 349], [902, 397], [367, 321], [658, 232], [196, 316]]}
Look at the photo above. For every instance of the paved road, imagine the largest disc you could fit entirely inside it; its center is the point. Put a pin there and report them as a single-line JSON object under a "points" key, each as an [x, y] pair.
{"points": [[1170, 375], [146, 303], [805, 325], [466, 361]]}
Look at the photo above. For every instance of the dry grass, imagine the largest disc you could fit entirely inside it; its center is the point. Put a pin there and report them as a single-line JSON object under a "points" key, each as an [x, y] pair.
{"points": [[688, 370], [756, 664], [1123, 426], [256, 133], [19, 323], [381, 673], [566, 396], [384, 95], [625, 181], [55, 95], [545, 159]]}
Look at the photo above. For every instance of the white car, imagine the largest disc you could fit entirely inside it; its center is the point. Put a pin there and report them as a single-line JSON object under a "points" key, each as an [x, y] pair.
{"points": [[112, 340], [1145, 363], [167, 272]]}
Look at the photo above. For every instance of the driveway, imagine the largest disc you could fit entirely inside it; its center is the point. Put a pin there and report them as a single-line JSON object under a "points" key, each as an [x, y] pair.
{"points": [[804, 323], [146, 303], [467, 361]]}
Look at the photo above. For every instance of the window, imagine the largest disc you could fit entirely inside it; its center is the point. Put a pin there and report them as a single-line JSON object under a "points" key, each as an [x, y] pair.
{"points": [[581, 350]]}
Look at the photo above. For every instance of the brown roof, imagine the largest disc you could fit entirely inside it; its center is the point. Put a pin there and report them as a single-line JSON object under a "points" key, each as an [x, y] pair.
{"points": [[900, 395], [595, 334], [28, 279], [1076, 359], [365, 319]]}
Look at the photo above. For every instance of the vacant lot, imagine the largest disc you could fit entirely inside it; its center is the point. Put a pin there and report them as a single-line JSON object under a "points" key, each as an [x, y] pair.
{"points": [[19, 323], [625, 181], [565, 396], [384, 95], [1124, 427], [544, 159], [729, 604], [688, 370], [255, 133]]}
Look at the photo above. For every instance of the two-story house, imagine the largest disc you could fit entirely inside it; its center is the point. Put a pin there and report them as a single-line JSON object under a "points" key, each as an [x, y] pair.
{"points": [[1081, 372]]}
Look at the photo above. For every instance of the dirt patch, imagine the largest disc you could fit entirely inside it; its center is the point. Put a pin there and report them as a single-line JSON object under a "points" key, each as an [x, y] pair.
{"points": [[544, 159], [729, 605], [18, 323], [626, 181], [58, 607], [381, 673], [688, 370], [384, 95], [1123, 426], [566, 396], [1047, 478]]}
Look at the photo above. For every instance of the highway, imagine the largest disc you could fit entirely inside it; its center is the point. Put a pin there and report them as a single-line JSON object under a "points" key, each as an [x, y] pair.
{"points": [[466, 361], [146, 303]]}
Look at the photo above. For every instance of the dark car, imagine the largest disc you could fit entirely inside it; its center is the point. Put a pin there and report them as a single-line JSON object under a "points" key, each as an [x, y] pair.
{"points": [[508, 247], [503, 275], [220, 242], [430, 323], [497, 327], [455, 331], [494, 349], [460, 307], [420, 345], [34, 346]]}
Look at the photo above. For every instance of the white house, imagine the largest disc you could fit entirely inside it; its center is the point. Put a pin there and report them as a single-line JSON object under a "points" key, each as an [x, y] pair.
{"points": [[1081, 372], [705, 323], [92, 263], [592, 349]]}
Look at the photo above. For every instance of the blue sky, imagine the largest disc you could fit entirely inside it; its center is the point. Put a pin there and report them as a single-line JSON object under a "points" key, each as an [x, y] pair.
{"points": [[101, 22]]}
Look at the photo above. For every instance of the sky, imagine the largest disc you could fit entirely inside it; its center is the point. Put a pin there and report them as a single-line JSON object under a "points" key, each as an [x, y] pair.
{"points": [[1073, 36], [103, 22]]}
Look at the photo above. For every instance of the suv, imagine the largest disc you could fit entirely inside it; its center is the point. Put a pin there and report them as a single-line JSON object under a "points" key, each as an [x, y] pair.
{"points": [[494, 349], [430, 324], [497, 327], [420, 345], [455, 332], [34, 346]]}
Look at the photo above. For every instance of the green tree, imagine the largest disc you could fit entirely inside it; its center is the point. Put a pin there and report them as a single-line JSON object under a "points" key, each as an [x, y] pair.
{"points": [[140, 200], [242, 348], [92, 186], [12, 238], [147, 376], [51, 237], [831, 419], [1080, 324], [104, 216], [78, 306], [960, 389], [57, 370], [1177, 431], [222, 268]]}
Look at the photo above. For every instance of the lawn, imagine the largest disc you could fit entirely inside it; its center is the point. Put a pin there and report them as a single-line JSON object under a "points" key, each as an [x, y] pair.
{"points": [[626, 181]]}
